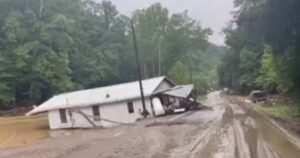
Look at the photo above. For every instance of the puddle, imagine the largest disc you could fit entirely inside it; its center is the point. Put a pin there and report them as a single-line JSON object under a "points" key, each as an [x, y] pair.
{"points": [[22, 129]]}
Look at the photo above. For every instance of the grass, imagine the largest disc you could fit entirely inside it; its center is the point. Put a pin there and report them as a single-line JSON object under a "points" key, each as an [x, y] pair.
{"points": [[280, 111]]}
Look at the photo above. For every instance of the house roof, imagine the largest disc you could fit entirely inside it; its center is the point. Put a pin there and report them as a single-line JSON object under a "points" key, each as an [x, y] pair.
{"points": [[180, 91], [101, 95]]}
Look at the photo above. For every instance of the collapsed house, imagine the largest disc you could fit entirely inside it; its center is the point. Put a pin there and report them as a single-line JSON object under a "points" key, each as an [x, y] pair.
{"points": [[112, 105], [177, 99]]}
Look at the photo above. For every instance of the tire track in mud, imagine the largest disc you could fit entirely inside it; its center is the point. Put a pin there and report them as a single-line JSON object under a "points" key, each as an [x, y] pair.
{"points": [[214, 142], [242, 148], [250, 143], [244, 132], [234, 136], [255, 129], [267, 151]]}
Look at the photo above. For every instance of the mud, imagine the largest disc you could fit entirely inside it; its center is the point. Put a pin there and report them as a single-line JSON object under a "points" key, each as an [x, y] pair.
{"points": [[20, 129], [229, 130], [166, 123]]}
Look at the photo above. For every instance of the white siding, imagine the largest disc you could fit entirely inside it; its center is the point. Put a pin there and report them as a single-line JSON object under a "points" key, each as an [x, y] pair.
{"points": [[78, 120], [116, 112], [119, 112]]}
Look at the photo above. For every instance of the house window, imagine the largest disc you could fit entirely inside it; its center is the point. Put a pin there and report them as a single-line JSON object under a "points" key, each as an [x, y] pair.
{"points": [[96, 113], [63, 116], [130, 107]]}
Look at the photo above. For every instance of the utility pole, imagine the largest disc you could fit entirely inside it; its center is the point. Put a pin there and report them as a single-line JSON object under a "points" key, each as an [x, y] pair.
{"points": [[190, 73], [160, 39], [41, 8], [190, 69], [145, 112], [159, 59]]}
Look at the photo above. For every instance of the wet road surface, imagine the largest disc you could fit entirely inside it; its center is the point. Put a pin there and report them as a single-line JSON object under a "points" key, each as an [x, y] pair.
{"points": [[240, 132], [227, 131]]}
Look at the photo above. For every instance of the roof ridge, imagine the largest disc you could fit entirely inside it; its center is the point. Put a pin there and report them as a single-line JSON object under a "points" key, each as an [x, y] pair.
{"points": [[108, 86]]}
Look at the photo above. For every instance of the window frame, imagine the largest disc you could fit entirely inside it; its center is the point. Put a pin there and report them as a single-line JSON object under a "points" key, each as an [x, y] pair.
{"points": [[63, 115], [130, 107], [96, 113]]}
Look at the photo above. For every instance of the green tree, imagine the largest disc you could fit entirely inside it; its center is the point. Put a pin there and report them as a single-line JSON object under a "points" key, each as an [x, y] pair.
{"points": [[50, 47], [179, 73], [164, 39], [249, 69], [201, 84], [268, 74], [274, 23], [6, 82]]}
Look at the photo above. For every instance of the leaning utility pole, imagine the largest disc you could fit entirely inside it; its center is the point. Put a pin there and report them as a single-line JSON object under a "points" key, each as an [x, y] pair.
{"points": [[159, 61], [190, 68], [144, 113]]}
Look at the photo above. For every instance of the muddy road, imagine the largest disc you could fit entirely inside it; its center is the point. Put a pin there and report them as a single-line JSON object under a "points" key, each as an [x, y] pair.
{"points": [[227, 131]]}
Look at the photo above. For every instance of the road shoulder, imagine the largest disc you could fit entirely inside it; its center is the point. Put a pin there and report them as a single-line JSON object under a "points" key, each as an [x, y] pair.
{"points": [[284, 125]]}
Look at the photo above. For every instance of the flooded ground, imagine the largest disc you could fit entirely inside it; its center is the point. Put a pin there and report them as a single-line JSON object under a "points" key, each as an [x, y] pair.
{"points": [[243, 133], [22, 129], [229, 130]]}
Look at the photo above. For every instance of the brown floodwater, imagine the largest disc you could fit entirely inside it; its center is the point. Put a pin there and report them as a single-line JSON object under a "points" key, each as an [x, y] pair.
{"points": [[18, 130]]}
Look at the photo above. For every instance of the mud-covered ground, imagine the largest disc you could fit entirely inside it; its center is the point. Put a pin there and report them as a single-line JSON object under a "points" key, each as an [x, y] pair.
{"points": [[228, 130]]}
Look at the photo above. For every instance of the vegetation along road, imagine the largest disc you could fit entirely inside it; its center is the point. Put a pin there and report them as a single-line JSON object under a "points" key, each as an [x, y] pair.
{"points": [[228, 130]]}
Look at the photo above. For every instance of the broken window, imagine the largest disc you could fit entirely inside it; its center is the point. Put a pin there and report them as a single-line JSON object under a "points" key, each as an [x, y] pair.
{"points": [[130, 107], [96, 113], [63, 116]]}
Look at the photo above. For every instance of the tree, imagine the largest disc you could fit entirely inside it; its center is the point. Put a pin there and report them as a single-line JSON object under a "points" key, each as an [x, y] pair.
{"points": [[50, 47], [6, 82], [151, 25], [201, 84], [164, 39], [268, 75], [254, 27], [249, 68], [179, 73]]}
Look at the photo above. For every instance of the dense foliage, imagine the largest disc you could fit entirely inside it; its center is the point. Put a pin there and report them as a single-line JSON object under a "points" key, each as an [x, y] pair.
{"points": [[53, 46], [263, 47]]}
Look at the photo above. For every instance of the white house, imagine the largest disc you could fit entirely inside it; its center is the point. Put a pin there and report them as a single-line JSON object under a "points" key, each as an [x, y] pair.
{"points": [[104, 106]]}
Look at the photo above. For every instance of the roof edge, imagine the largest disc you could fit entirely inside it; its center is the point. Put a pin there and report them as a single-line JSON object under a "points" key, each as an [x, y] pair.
{"points": [[165, 78], [86, 105]]}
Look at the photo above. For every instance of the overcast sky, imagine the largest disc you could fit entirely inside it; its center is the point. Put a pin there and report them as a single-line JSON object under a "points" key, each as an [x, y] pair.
{"points": [[214, 14]]}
